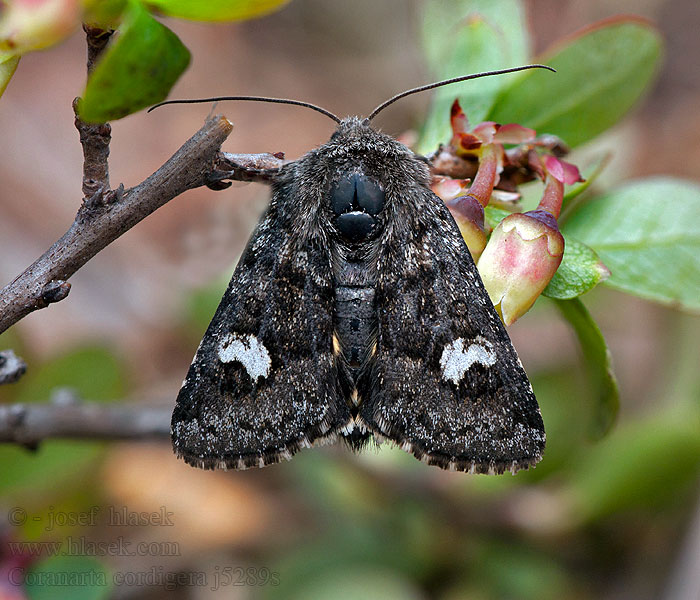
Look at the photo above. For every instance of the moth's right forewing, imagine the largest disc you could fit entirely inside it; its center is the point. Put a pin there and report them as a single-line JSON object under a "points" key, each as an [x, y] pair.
{"points": [[444, 381]]}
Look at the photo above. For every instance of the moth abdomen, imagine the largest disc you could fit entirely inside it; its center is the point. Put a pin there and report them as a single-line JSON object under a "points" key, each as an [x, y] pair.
{"points": [[355, 323]]}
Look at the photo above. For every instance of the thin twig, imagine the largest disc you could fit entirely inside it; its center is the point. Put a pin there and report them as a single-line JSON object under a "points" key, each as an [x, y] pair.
{"points": [[260, 168], [94, 137], [97, 39], [68, 417]]}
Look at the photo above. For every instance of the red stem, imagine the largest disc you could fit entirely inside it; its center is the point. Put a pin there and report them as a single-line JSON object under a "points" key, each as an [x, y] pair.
{"points": [[552, 197], [485, 177]]}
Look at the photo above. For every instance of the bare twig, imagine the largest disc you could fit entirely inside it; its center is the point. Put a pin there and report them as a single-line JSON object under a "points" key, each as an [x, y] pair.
{"points": [[94, 137], [97, 39], [68, 417], [260, 168]]}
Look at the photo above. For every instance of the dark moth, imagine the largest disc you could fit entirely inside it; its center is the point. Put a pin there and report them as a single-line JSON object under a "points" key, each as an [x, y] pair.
{"points": [[357, 311]]}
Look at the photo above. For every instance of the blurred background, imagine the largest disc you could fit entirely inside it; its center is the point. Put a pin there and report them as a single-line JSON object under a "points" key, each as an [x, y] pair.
{"points": [[614, 519]]}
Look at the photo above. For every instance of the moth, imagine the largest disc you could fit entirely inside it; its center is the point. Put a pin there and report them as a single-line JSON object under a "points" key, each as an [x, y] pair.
{"points": [[356, 311]]}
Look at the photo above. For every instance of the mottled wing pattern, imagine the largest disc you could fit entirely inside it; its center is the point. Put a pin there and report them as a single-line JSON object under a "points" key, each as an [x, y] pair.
{"points": [[263, 382], [445, 382]]}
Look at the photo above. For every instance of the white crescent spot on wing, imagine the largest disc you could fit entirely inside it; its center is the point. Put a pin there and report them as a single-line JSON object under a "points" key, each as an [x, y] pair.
{"points": [[247, 350], [456, 360]]}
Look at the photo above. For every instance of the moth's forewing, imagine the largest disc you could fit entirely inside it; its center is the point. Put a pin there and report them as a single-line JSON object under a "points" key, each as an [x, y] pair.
{"points": [[445, 382], [264, 381]]}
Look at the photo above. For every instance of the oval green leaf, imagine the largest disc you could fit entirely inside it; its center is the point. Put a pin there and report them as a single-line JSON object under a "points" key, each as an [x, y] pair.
{"points": [[648, 234], [136, 71], [579, 272], [601, 73], [106, 14], [216, 10], [603, 384]]}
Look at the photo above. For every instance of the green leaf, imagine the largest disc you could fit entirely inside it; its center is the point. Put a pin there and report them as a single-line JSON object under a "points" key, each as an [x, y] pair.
{"points": [[356, 543], [601, 73], [216, 10], [68, 578], [510, 570], [137, 70], [563, 395], [648, 234], [601, 378], [8, 65], [469, 36], [201, 306], [642, 464], [444, 23], [55, 465], [580, 271]]}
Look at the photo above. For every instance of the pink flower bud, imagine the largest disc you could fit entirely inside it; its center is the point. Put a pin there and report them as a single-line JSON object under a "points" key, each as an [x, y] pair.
{"points": [[35, 24], [469, 215], [522, 255]]}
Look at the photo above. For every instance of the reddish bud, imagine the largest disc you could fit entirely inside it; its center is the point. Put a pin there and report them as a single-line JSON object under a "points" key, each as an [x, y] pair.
{"points": [[486, 131], [512, 133], [469, 215], [522, 255]]}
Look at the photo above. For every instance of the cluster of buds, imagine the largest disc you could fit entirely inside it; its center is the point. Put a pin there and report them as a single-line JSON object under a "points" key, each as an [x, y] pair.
{"points": [[524, 251]]}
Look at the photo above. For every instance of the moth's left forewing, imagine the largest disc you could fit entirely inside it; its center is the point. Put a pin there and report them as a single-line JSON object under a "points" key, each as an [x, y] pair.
{"points": [[264, 382], [444, 382]]}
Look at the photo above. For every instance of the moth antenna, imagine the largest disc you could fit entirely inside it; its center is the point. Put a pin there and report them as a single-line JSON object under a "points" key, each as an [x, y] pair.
{"points": [[323, 111], [430, 86]]}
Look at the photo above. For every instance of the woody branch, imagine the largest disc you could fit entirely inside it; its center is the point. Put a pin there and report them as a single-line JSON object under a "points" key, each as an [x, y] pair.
{"points": [[67, 416]]}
